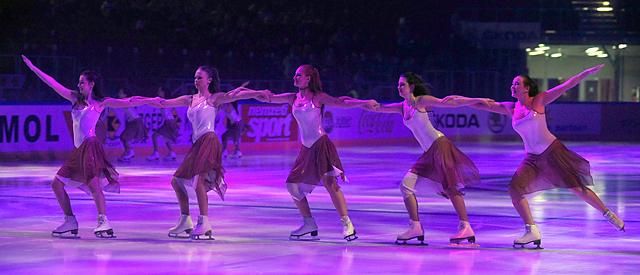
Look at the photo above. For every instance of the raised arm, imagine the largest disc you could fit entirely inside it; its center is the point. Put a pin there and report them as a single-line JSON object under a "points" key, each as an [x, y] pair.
{"points": [[50, 81], [554, 93]]}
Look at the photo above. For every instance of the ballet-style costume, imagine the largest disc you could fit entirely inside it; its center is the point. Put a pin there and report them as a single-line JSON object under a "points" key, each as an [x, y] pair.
{"points": [[88, 159], [318, 156], [549, 164], [442, 167], [205, 156]]}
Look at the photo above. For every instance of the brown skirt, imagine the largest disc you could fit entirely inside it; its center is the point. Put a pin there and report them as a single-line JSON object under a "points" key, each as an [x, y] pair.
{"points": [[135, 131], [444, 163], [87, 162], [312, 164], [556, 167], [169, 130], [204, 157]]}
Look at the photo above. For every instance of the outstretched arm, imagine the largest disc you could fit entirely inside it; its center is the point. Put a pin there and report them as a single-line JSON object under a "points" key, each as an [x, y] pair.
{"points": [[554, 93], [485, 104], [452, 101], [50, 81], [159, 102], [328, 100], [129, 101], [243, 93]]}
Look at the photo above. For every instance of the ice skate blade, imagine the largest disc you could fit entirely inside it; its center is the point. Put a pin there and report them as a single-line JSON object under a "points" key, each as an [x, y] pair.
{"points": [[106, 234], [351, 237], [186, 234], [72, 234], [309, 236], [407, 241], [537, 244], [470, 239], [207, 236]]}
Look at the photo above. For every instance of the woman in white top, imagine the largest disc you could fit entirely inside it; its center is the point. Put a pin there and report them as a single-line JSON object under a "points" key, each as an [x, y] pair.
{"points": [[201, 168], [548, 164], [87, 168], [441, 167], [318, 162]]}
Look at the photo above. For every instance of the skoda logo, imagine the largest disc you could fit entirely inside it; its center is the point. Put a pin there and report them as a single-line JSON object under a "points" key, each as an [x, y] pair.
{"points": [[496, 122]]}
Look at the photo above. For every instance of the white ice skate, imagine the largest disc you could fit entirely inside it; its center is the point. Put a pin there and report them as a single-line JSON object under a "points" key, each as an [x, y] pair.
{"points": [[614, 220], [170, 157], [415, 232], [348, 231], [237, 154], [465, 232], [307, 232], [104, 229], [69, 229], [153, 157], [532, 235], [183, 229], [203, 230]]}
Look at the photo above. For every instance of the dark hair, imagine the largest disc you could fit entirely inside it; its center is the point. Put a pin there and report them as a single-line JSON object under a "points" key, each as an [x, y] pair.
{"points": [[212, 72], [96, 94], [419, 86], [528, 82], [315, 85]]}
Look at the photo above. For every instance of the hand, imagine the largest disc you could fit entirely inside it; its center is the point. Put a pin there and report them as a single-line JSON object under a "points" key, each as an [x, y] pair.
{"points": [[264, 96], [450, 98], [344, 97], [27, 61], [155, 102], [372, 105], [594, 69], [487, 102]]}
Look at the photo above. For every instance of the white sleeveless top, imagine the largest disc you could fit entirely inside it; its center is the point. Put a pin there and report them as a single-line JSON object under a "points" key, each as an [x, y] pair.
{"points": [[309, 118], [203, 118], [84, 123], [420, 126], [534, 132]]}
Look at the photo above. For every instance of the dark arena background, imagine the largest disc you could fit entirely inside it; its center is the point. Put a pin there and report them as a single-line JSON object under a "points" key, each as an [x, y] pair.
{"points": [[360, 49]]}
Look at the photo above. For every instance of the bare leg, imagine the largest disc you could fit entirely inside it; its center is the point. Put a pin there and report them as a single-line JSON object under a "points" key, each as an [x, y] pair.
{"points": [[98, 195], [181, 194], [337, 197], [590, 197], [303, 207], [201, 194], [522, 206], [63, 198], [411, 203], [458, 203]]}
